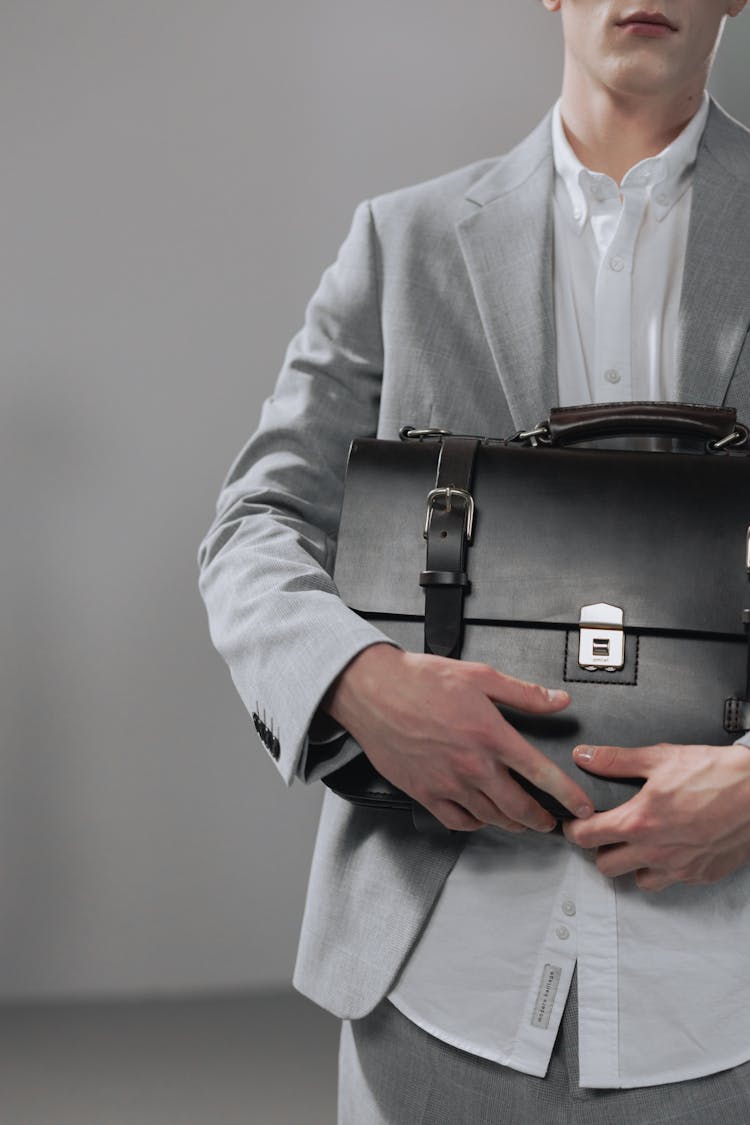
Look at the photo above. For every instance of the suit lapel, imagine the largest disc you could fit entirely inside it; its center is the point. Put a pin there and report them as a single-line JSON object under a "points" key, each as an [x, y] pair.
{"points": [[715, 302], [507, 244]]}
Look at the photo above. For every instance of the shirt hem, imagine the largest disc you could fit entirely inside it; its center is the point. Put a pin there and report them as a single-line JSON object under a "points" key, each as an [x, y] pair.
{"points": [[461, 1044], [684, 1074]]}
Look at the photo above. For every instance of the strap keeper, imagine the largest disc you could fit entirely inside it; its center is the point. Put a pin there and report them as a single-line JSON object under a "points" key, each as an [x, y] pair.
{"points": [[444, 578]]}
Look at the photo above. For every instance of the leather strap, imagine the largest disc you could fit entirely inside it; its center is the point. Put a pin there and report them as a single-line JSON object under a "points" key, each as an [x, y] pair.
{"points": [[449, 519]]}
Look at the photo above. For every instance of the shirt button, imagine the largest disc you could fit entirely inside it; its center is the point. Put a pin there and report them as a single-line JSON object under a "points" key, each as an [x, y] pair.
{"points": [[576, 214], [563, 933], [617, 264], [612, 376], [662, 199], [569, 908]]}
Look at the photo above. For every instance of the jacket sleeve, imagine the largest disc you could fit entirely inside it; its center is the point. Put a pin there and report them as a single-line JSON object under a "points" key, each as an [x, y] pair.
{"points": [[267, 559]]}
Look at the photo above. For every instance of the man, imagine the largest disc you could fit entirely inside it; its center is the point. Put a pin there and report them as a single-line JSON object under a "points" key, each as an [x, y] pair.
{"points": [[457, 965]]}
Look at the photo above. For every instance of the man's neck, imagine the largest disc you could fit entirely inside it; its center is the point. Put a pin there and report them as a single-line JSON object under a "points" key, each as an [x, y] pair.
{"points": [[611, 135]]}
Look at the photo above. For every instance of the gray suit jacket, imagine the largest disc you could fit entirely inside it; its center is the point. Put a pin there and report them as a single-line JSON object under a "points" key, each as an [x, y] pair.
{"points": [[438, 312]]}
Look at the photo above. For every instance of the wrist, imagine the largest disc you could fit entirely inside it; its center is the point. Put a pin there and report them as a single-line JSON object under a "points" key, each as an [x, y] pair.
{"points": [[361, 679]]}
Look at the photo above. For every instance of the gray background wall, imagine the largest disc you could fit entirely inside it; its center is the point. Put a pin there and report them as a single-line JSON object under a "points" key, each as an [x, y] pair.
{"points": [[174, 176]]}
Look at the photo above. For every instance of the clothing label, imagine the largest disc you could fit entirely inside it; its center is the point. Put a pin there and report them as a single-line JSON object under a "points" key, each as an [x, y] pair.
{"points": [[545, 997]]}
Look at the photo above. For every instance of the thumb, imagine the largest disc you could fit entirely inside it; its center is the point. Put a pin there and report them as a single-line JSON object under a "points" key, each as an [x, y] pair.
{"points": [[616, 761]]}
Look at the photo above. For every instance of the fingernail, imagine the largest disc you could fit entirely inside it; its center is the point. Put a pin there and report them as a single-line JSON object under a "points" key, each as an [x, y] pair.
{"points": [[584, 753], [555, 696], [583, 812]]}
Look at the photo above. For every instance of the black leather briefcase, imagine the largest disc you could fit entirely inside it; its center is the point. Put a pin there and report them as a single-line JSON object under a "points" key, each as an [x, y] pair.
{"points": [[620, 575]]}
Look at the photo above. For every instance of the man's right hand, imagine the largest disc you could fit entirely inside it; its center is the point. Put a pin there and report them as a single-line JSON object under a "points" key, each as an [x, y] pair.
{"points": [[431, 726]]}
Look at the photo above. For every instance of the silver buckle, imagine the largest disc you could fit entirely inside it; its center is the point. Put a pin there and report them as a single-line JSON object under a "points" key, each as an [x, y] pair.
{"points": [[448, 494], [602, 640]]}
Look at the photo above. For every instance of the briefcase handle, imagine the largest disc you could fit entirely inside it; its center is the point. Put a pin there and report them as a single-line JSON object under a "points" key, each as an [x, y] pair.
{"points": [[569, 424]]}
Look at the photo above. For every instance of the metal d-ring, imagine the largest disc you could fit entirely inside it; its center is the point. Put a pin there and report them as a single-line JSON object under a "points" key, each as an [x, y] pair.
{"points": [[737, 437], [409, 433], [539, 433]]}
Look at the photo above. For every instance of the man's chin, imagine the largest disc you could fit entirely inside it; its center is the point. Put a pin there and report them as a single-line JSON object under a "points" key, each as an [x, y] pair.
{"points": [[636, 78]]}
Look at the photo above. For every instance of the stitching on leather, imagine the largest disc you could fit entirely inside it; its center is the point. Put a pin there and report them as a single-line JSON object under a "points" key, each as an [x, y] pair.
{"points": [[733, 712]]}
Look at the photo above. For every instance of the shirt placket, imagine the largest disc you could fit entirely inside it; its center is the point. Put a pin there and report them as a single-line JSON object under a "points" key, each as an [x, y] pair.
{"points": [[598, 976], [551, 979], [612, 375]]}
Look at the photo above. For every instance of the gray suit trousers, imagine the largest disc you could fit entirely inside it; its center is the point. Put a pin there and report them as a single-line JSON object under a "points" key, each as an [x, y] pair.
{"points": [[393, 1073]]}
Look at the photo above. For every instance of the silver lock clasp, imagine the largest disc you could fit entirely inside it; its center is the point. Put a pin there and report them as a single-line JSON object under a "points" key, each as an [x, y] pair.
{"points": [[601, 646]]}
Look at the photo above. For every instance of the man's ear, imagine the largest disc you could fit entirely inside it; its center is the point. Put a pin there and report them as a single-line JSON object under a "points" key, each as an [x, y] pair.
{"points": [[554, 5]]}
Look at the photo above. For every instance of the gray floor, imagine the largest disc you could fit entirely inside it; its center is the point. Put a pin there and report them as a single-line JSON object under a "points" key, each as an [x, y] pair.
{"points": [[254, 1060]]}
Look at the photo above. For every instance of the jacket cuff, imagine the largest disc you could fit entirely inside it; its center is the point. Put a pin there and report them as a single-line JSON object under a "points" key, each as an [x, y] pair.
{"points": [[327, 745]]}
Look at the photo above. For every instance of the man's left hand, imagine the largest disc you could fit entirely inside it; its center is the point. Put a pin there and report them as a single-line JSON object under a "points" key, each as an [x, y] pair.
{"points": [[690, 823]]}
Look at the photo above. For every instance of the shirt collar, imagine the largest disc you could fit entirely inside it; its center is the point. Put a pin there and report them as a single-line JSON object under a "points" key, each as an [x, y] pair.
{"points": [[665, 176]]}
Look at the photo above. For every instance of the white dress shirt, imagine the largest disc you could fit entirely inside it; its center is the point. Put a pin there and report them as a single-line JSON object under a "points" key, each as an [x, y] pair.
{"points": [[663, 979], [619, 258]]}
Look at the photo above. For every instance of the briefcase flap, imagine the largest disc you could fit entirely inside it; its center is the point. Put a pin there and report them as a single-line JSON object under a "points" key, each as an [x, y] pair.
{"points": [[663, 536]]}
